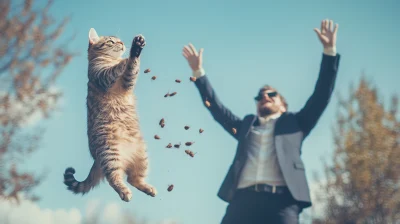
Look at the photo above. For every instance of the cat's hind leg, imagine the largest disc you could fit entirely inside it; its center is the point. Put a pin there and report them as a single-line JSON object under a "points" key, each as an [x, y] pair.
{"points": [[114, 172], [137, 174]]}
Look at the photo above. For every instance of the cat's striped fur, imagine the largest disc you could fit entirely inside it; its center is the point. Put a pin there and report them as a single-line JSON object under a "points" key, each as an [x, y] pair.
{"points": [[115, 140]]}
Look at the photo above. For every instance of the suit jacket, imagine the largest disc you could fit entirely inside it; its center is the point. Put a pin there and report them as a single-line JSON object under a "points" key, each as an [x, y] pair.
{"points": [[290, 131]]}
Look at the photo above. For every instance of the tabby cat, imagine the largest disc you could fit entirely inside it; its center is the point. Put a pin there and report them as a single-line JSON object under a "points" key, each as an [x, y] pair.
{"points": [[115, 140]]}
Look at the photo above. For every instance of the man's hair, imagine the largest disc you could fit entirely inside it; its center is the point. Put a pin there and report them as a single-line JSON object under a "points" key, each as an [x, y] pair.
{"points": [[268, 87]]}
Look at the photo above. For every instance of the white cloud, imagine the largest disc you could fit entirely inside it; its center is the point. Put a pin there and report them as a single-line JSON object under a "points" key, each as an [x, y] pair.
{"points": [[17, 108], [169, 221], [318, 207], [318, 198], [112, 214], [91, 208], [28, 212]]}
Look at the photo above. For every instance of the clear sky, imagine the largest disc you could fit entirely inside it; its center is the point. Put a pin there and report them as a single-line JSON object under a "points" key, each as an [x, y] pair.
{"points": [[246, 44]]}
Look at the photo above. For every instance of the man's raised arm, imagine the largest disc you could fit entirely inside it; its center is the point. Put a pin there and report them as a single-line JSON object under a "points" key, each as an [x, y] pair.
{"points": [[309, 115], [221, 114]]}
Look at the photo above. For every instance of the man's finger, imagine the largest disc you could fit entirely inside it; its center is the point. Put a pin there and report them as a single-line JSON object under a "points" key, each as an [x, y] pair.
{"points": [[201, 52], [187, 50], [330, 25], [326, 25], [193, 49], [192, 52], [318, 32], [322, 25], [185, 55], [336, 28]]}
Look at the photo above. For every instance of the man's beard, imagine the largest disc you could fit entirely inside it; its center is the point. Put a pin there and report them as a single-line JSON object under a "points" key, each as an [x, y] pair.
{"points": [[265, 111]]}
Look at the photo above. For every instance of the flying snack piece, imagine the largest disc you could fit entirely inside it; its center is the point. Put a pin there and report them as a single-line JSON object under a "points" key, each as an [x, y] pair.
{"points": [[189, 143], [170, 187], [162, 123], [166, 95], [147, 70], [177, 145], [201, 130], [177, 80], [187, 127], [234, 131], [154, 77], [169, 145], [156, 137], [173, 94], [190, 153]]}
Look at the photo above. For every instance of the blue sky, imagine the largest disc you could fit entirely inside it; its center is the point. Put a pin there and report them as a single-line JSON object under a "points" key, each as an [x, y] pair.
{"points": [[246, 44]]}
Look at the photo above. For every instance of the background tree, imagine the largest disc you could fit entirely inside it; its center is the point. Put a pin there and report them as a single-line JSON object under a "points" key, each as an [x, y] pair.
{"points": [[30, 63], [363, 182]]}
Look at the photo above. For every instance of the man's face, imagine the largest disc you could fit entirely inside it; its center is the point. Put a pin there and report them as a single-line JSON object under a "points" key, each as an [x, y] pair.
{"points": [[269, 102]]}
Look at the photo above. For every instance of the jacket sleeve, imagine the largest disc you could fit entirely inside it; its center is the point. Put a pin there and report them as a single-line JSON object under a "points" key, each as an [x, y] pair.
{"points": [[309, 115], [221, 114]]}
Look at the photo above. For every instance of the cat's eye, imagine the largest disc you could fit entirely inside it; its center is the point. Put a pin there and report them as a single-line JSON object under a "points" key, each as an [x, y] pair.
{"points": [[110, 41]]}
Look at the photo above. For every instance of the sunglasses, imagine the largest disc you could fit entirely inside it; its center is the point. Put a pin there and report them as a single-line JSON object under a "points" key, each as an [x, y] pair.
{"points": [[270, 94]]}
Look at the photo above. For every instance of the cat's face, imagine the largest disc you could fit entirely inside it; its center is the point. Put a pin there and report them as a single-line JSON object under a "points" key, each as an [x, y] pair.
{"points": [[105, 45]]}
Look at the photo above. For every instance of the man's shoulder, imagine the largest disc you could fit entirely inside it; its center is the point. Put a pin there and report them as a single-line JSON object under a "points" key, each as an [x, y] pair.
{"points": [[289, 113], [286, 114], [249, 116]]}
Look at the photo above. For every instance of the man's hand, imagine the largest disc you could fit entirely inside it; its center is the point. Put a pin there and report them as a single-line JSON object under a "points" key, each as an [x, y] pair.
{"points": [[326, 35], [194, 59]]}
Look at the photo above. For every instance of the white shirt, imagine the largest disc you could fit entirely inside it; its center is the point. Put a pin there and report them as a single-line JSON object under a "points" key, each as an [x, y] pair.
{"points": [[261, 166]]}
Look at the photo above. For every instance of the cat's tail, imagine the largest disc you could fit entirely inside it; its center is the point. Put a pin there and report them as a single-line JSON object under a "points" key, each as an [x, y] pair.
{"points": [[93, 179]]}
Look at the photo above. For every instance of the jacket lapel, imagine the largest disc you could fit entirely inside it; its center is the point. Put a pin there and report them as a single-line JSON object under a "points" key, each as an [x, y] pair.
{"points": [[248, 127], [254, 119]]}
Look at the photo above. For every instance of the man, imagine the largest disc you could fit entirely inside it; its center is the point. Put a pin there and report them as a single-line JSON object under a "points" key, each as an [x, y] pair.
{"points": [[266, 182]]}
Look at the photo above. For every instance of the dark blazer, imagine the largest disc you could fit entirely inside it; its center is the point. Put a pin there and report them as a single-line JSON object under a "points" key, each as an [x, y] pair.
{"points": [[290, 131]]}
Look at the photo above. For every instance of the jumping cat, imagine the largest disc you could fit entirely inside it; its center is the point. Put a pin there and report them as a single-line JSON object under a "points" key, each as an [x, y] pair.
{"points": [[115, 141]]}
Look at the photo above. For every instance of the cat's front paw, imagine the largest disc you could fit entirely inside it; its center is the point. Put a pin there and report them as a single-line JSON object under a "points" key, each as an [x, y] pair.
{"points": [[137, 45], [139, 41], [150, 190]]}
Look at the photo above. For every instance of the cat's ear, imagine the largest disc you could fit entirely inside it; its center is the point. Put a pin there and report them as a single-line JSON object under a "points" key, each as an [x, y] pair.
{"points": [[93, 37]]}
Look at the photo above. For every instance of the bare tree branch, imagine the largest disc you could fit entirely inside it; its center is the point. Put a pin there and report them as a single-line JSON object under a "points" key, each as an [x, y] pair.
{"points": [[30, 63]]}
